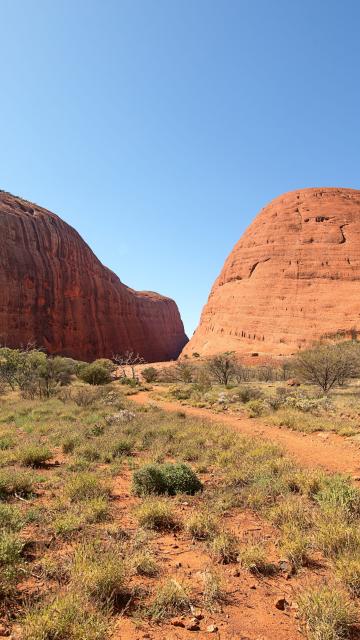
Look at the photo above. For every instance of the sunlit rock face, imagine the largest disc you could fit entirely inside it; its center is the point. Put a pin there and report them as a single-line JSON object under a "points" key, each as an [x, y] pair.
{"points": [[55, 293], [293, 276]]}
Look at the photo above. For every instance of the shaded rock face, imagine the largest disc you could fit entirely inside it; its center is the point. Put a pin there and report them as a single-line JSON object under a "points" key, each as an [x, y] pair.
{"points": [[55, 293], [292, 277]]}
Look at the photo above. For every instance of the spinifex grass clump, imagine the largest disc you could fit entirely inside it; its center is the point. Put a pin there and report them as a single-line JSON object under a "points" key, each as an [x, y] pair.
{"points": [[85, 486], [328, 613], [157, 514], [14, 482], [99, 573], [172, 598], [167, 479], [202, 526], [32, 455], [66, 617], [10, 562]]}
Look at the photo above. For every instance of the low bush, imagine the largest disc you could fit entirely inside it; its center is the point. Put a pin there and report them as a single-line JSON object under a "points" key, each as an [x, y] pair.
{"points": [[246, 393], [6, 442], [294, 545], [165, 478], [123, 447], [334, 537], [95, 374], [338, 495], [213, 592], [149, 374], [10, 518], [256, 408], [10, 563]]}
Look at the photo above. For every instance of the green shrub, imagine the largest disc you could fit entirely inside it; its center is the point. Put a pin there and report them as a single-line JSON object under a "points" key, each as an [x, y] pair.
{"points": [[165, 478], [255, 408], [69, 444], [338, 494], [181, 393], [294, 544], [90, 453], [145, 564], [6, 442], [335, 536], [10, 549], [149, 479], [123, 447], [130, 382], [95, 374], [214, 593], [66, 524]]}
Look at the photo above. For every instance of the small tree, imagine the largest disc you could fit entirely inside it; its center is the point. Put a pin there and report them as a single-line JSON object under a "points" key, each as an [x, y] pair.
{"points": [[222, 367], [181, 371], [53, 373], [128, 359], [149, 374], [328, 365]]}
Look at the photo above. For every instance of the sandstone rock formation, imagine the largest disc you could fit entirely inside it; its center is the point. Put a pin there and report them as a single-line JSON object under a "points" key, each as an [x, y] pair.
{"points": [[292, 277], [55, 293]]}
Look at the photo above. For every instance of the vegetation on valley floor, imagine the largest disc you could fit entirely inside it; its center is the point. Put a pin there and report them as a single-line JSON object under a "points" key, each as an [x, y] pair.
{"points": [[76, 554]]}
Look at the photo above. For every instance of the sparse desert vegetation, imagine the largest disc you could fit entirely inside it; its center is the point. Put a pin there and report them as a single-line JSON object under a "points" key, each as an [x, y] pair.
{"points": [[112, 511]]}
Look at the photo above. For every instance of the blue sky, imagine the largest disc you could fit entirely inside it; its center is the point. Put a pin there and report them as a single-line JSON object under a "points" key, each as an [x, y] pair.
{"points": [[159, 128]]}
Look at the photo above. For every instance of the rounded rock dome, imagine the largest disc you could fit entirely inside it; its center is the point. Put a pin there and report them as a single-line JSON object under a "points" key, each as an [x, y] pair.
{"points": [[293, 277]]}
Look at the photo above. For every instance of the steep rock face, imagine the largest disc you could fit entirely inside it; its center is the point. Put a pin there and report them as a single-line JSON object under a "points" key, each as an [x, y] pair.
{"points": [[292, 277], [55, 293]]}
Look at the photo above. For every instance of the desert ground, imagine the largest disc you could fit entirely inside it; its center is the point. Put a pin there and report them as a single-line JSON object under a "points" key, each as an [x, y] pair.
{"points": [[180, 509]]}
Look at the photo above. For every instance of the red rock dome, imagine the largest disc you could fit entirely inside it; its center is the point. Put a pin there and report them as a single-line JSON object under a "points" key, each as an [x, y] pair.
{"points": [[55, 293], [292, 277]]}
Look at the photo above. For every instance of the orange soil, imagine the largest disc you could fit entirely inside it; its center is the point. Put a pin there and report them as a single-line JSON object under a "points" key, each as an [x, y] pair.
{"points": [[250, 612]]}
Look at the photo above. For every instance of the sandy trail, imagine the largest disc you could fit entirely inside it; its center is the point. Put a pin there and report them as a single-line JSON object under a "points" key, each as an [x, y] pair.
{"points": [[330, 451]]}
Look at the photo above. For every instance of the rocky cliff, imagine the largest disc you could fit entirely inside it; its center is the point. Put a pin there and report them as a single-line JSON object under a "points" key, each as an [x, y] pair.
{"points": [[292, 277], [55, 293]]}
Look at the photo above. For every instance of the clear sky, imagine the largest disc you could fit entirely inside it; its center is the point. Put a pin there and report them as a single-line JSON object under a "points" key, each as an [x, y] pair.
{"points": [[158, 128]]}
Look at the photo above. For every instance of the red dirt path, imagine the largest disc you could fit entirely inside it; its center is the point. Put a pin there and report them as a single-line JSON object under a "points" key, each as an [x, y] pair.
{"points": [[329, 451]]}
